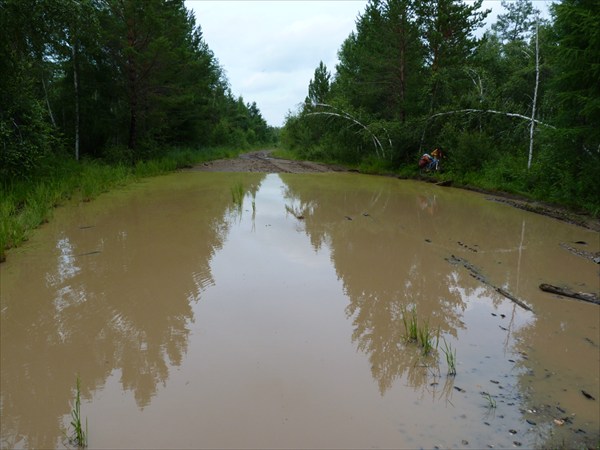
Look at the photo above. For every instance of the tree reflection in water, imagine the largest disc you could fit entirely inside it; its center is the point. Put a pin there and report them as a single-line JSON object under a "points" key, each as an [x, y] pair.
{"points": [[104, 302], [391, 248], [383, 270]]}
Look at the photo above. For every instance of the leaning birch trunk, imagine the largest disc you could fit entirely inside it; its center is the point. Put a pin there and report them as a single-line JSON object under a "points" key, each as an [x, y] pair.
{"points": [[76, 87], [48, 103], [535, 91], [346, 116]]}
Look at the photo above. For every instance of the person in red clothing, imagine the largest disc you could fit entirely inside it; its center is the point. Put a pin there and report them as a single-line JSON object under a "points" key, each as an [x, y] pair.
{"points": [[430, 162]]}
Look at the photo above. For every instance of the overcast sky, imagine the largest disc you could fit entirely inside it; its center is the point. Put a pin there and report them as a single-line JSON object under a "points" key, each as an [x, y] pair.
{"points": [[270, 49]]}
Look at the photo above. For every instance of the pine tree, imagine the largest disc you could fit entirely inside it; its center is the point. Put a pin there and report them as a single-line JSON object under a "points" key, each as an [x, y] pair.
{"points": [[577, 62], [319, 85], [519, 21]]}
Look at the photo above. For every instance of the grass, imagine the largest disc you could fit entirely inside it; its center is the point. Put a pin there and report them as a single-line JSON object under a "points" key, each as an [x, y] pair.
{"points": [[426, 339], [491, 402], [572, 190], [450, 354], [282, 153], [78, 436], [420, 334], [237, 194], [25, 204], [411, 325]]}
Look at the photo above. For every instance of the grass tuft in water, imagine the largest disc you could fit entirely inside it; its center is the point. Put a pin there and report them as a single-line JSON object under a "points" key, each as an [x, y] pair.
{"points": [[450, 354], [420, 334], [426, 338], [411, 325], [237, 194], [78, 436], [491, 402]]}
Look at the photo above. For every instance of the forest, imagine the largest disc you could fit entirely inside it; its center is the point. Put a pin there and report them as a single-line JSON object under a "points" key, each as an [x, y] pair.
{"points": [[95, 94], [515, 110], [118, 80]]}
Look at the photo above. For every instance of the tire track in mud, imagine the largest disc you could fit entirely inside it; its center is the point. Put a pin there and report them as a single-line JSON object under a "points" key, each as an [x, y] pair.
{"points": [[261, 161]]}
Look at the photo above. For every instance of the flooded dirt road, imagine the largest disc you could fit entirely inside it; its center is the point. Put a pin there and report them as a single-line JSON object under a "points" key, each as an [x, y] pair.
{"points": [[264, 162], [195, 321]]}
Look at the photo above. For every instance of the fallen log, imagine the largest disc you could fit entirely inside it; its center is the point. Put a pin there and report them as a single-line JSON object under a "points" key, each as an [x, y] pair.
{"points": [[512, 298], [475, 273], [566, 292], [594, 257]]}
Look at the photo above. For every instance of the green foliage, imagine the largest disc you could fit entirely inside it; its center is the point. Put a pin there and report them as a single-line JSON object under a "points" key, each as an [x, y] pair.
{"points": [[118, 79], [413, 78], [319, 86], [26, 136], [576, 57], [518, 23], [26, 204], [469, 151]]}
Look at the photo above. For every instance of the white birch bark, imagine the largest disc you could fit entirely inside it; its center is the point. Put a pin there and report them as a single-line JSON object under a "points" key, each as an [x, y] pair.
{"points": [[535, 91], [345, 115]]}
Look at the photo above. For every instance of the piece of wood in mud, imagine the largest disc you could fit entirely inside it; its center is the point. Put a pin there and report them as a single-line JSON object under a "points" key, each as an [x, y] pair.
{"points": [[566, 292], [474, 272], [512, 298], [594, 257]]}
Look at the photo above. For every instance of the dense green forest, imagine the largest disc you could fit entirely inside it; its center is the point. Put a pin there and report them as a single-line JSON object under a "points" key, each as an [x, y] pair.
{"points": [[119, 80], [517, 109], [98, 93]]}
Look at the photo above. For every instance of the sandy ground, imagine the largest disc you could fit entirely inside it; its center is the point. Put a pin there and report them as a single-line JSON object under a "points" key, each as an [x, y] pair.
{"points": [[262, 161]]}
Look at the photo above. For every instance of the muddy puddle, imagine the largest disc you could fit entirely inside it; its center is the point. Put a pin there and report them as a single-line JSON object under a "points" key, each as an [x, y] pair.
{"points": [[193, 321]]}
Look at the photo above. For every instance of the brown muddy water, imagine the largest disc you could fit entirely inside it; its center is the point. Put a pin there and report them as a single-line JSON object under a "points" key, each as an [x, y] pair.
{"points": [[192, 322]]}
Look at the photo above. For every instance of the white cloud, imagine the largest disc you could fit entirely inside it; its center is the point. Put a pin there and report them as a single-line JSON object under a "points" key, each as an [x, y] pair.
{"points": [[270, 49]]}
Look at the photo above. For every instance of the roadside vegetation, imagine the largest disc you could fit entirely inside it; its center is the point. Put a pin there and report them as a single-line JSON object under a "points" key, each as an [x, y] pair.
{"points": [[517, 110], [27, 203]]}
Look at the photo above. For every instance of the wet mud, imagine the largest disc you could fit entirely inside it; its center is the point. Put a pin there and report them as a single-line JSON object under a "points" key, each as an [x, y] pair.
{"points": [[194, 321], [263, 161]]}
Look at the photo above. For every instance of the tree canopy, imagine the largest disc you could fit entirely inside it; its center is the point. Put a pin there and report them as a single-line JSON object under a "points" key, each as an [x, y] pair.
{"points": [[516, 109], [111, 79]]}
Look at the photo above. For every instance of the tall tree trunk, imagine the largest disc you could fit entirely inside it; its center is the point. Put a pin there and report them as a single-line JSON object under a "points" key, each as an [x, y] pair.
{"points": [[76, 87], [535, 91], [48, 103], [132, 119], [133, 88], [402, 81]]}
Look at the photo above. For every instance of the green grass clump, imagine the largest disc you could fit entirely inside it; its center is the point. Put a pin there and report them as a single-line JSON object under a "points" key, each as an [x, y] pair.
{"points": [[78, 436], [411, 325], [491, 402], [426, 338], [450, 354], [419, 333], [237, 194]]}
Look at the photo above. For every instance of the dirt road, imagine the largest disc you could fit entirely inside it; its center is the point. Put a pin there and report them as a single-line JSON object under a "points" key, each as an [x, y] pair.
{"points": [[262, 161]]}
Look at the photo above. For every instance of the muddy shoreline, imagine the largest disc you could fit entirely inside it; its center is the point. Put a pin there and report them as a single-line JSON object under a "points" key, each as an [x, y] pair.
{"points": [[262, 161]]}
